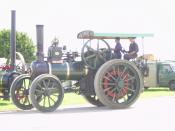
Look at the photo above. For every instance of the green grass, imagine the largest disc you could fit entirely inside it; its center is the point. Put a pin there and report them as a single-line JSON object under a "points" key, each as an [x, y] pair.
{"points": [[6, 105], [74, 99], [156, 92], [69, 99]]}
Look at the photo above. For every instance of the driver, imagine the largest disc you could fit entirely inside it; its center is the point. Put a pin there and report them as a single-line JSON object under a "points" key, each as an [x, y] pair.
{"points": [[117, 49], [133, 49]]}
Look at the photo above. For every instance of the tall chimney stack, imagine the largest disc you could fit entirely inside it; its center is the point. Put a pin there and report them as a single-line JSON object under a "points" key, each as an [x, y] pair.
{"points": [[13, 40], [39, 37]]}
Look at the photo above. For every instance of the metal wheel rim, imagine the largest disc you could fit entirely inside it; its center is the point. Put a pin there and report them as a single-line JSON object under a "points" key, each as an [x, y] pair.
{"points": [[46, 95], [22, 91], [120, 83]]}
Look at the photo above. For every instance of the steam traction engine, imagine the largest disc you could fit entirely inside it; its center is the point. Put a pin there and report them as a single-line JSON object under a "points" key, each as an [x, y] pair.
{"points": [[103, 81]]}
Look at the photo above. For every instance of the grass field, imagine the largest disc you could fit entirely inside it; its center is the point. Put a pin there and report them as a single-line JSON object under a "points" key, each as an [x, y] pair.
{"points": [[73, 99]]}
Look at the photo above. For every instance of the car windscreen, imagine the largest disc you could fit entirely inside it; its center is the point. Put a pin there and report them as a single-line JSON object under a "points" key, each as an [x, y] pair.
{"points": [[173, 67]]}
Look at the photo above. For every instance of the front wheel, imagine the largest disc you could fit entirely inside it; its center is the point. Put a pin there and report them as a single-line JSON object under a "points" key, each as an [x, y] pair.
{"points": [[118, 83], [46, 93]]}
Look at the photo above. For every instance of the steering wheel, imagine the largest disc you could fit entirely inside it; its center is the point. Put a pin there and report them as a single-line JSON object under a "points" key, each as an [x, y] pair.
{"points": [[95, 52]]}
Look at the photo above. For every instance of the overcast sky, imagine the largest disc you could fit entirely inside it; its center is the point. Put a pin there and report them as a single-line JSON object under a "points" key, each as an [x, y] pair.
{"points": [[65, 18]]}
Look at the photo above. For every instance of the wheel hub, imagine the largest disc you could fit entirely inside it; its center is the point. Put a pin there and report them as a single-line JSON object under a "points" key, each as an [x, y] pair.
{"points": [[121, 83], [46, 93]]}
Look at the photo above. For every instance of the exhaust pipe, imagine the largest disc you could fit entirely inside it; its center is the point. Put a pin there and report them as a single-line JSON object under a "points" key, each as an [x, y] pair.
{"points": [[39, 66], [39, 38], [13, 40]]}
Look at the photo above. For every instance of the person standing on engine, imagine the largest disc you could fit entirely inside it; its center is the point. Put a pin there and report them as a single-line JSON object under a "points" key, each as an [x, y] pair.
{"points": [[117, 49], [54, 52]]}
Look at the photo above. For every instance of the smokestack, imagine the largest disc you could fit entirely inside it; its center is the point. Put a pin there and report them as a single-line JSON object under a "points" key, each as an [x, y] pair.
{"points": [[39, 37], [13, 40]]}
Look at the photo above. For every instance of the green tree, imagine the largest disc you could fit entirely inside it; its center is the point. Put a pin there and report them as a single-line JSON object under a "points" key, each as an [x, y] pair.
{"points": [[24, 45]]}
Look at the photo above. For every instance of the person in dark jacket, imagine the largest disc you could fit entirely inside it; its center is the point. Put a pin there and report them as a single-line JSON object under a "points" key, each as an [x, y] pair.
{"points": [[133, 50], [54, 51], [117, 49]]}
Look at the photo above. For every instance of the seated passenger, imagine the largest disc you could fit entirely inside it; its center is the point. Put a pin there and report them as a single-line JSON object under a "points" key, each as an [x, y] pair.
{"points": [[133, 49]]}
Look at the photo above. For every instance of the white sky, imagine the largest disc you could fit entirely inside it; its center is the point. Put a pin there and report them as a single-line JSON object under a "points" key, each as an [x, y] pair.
{"points": [[66, 18]]}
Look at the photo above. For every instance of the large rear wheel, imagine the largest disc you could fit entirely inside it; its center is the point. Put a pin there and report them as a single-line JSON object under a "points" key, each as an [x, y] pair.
{"points": [[118, 83]]}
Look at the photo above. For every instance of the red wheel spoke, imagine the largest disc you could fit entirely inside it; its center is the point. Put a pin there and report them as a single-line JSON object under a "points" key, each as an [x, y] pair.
{"points": [[107, 78], [125, 77], [110, 84], [111, 76], [107, 89]]}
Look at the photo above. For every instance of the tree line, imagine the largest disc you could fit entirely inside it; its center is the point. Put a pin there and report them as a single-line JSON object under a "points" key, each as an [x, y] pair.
{"points": [[24, 45]]}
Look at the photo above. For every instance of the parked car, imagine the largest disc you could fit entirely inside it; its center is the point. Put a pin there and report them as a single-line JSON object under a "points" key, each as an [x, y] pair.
{"points": [[161, 74]]}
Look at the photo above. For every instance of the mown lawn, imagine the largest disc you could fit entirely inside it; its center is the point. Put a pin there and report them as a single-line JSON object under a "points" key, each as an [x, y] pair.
{"points": [[156, 92], [69, 99], [73, 99]]}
